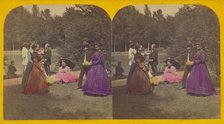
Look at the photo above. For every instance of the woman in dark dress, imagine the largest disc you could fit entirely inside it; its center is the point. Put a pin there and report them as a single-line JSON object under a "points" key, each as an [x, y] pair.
{"points": [[37, 81], [140, 83]]}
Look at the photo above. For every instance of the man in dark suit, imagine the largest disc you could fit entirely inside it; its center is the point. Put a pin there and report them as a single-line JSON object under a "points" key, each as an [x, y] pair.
{"points": [[47, 57], [86, 55], [190, 57], [153, 58]]}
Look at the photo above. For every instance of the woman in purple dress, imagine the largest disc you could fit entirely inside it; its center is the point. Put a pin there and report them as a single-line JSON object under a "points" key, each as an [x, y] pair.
{"points": [[199, 82], [97, 81]]}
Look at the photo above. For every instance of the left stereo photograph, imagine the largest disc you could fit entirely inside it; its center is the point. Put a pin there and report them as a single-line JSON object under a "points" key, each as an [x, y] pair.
{"points": [[48, 50]]}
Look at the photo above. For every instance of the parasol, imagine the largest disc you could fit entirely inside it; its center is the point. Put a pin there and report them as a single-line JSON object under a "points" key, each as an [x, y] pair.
{"points": [[174, 63], [69, 63]]}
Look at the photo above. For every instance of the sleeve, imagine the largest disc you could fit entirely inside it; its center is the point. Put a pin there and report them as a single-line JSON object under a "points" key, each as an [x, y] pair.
{"points": [[199, 59], [97, 59], [134, 51], [156, 54], [60, 70], [14, 68], [173, 70], [36, 57], [166, 70], [129, 53], [68, 69], [50, 53], [23, 53], [29, 56]]}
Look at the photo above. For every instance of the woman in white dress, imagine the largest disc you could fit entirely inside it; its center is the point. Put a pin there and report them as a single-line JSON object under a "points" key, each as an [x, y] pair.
{"points": [[24, 55]]}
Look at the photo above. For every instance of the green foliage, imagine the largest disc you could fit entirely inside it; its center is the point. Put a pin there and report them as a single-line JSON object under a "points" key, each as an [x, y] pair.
{"points": [[171, 32], [84, 23], [66, 32], [79, 23], [193, 22]]}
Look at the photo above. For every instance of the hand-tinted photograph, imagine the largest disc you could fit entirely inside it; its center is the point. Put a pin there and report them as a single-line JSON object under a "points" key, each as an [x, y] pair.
{"points": [[74, 62]]}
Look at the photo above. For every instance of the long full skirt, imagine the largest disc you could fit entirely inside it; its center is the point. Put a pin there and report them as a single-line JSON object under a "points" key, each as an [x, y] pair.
{"points": [[97, 81], [36, 83], [199, 82], [66, 77], [139, 83], [26, 74], [171, 78]]}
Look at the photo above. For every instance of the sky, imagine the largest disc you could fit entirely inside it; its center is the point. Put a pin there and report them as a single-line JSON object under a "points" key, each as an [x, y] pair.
{"points": [[60, 9]]}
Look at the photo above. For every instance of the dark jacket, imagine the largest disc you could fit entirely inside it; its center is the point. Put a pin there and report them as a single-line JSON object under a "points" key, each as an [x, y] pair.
{"points": [[154, 57], [47, 56]]}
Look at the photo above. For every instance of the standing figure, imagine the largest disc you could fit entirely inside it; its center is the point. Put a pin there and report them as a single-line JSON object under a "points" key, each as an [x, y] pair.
{"points": [[154, 59], [24, 56], [131, 56], [140, 82], [29, 65], [188, 67], [97, 81], [37, 81], [87, 54], [41, 52], [199, 82], [64, 74], [170, 75], [47, 57]]}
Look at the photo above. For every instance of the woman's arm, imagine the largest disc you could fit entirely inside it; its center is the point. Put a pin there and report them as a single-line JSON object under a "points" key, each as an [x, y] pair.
{"points": [[173, 70], [199, 59]]}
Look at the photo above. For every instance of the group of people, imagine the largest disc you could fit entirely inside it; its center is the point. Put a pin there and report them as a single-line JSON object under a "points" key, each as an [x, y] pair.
{"points": [[143, 66], [143, 75], [36, 61], [36, 78]]}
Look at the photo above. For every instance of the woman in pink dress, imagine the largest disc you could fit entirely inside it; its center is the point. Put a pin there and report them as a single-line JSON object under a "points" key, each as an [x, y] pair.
{"points": [[64, 74], [170, 75]]}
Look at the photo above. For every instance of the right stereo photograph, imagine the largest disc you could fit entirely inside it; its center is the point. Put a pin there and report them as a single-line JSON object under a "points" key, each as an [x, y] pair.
{"points": [[166, 62]]}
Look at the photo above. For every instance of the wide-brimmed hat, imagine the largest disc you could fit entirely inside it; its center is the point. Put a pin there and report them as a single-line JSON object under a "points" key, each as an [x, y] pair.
{"points": [[69, 63]]}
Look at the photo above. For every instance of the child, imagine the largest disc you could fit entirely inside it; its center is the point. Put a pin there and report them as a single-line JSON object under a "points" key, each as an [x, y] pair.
{"points": [[64, 74], [170, 74], [11, 70], [119, 69]]}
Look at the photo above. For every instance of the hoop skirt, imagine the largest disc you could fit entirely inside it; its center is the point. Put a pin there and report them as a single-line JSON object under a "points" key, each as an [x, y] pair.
{"points": [[65, 75], [37, 81], [199, 82], [97, 81], [170, 75], [139, 83]]}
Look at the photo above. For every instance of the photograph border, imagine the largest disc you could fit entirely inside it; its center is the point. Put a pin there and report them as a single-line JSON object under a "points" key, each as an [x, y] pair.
{"points": [[112, 7]]}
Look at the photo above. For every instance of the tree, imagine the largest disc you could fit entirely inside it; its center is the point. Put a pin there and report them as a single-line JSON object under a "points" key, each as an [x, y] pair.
{"points": [[81, 23], [17, 28]]}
